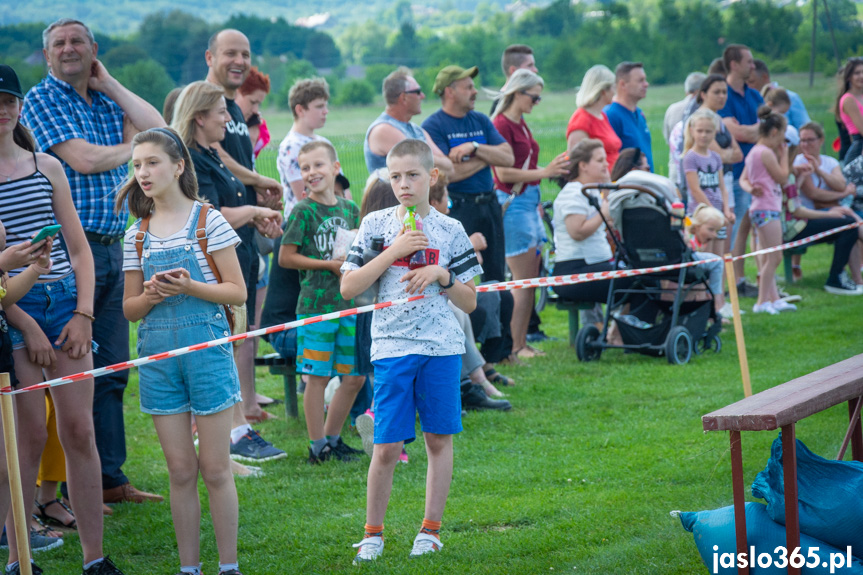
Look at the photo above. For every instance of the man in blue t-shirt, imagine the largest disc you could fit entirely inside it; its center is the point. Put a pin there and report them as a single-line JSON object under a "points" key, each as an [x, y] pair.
{"points": [[797, 114], [624, 115], [473, 144], [740, 115]]}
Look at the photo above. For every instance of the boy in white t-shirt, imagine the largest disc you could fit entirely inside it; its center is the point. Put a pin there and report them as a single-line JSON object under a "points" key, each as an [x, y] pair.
{"points": [[416, 348]]}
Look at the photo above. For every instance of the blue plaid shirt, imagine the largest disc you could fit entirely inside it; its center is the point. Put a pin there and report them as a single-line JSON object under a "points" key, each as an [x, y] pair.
{"points": [[56, 113]]}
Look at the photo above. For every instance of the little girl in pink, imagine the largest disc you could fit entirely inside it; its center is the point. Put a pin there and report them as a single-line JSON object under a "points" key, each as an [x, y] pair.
{"points": [[765, 173]]}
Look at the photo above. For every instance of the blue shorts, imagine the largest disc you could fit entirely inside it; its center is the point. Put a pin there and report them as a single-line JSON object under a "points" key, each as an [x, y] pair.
{"points": [[50, 304], [522, 226], [204, 382], [326, 348], [761, 218], [414, 384]]}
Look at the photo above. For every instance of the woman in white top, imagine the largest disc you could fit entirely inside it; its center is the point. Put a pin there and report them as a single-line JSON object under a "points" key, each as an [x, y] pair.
{"points": [[580, 239]]}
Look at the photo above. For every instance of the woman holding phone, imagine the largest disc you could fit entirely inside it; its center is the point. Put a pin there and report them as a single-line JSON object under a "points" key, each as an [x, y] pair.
{"points": [[51, 327]]}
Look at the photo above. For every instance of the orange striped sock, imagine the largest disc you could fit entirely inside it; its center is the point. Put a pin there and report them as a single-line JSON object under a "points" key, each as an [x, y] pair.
{"points": [[431, 527], [374, 530]]}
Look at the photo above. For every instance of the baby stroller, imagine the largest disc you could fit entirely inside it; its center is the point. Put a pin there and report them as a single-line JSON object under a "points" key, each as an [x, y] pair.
{"points": [[669, 311]]}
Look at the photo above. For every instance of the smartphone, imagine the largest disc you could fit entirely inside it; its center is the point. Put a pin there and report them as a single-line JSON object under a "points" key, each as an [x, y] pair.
{"points": [[46, 232], [176, 273]]}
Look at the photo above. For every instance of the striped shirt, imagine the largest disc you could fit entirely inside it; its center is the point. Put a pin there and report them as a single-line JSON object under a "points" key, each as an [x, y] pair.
{"points": [[220, 235], [26, 206], [56, 113]]}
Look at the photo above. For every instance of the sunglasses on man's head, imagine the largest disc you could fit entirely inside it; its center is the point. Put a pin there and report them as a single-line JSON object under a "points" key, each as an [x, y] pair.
{"points": [[535, 98]]}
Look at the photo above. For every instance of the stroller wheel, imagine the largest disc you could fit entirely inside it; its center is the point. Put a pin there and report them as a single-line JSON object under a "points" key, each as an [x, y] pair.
{"points": [[678, 346], [707, 343], [587, 346]]}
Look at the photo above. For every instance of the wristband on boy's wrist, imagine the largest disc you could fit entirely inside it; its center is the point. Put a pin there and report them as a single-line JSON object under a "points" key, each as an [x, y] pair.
{"points": [[451, 280]]}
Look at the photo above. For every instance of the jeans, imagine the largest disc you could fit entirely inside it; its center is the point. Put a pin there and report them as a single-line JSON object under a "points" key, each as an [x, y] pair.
{"points": [[111, 332]]}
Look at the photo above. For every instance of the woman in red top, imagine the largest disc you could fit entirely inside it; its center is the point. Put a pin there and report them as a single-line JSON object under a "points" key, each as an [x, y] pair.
{"points": [[518, 193], [589, 121]]}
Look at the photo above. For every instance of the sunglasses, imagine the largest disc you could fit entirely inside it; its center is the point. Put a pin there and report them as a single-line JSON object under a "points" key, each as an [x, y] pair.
{"points": [[535, 98], [417, 92]]}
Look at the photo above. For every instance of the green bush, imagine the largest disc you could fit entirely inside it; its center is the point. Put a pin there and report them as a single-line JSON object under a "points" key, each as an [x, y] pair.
{"points": [[355, 93]]}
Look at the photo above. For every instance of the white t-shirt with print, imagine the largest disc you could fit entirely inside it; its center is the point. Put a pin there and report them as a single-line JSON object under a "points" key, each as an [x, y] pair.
{"points": [[427, 326], [289, 167], [220, 235], [592, 250], [827, 166]]}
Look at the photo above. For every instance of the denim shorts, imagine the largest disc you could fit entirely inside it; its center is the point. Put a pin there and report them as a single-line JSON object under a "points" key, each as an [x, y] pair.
{"points": [[7, 365], [326, 348], [522, 226], [761, 218], [204, 382], [411, 384], [51, 305]]}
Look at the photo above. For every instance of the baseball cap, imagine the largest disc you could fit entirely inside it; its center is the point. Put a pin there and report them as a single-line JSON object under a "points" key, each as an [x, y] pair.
{"points": [[9, 82], [450, 74]]}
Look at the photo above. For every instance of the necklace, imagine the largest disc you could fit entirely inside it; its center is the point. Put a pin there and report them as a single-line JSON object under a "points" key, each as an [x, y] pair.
{"points": [[15, 169]]}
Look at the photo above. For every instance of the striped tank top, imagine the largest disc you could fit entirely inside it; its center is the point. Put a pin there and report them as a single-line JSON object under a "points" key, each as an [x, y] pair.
{"points": [[26, 206]]}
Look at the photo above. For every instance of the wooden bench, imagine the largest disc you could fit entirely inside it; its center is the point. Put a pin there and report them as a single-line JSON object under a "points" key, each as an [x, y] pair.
{"points": [[781, 408], [573, 307], [287, 368]]}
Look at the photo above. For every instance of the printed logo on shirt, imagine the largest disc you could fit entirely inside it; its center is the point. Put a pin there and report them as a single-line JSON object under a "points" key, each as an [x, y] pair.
{"points": [[325, 235], [234, 127], [432, 258], [708, 179]]}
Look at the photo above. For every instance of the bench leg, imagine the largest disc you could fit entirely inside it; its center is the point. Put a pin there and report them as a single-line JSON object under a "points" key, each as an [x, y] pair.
{"points": [[739, 498], [789, 271], [789, 473], [573, 326], [291, 395], [856, 435]]}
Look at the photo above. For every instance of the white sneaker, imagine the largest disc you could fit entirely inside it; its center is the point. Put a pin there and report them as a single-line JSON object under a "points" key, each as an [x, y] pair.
{"points": [[766, 307], [425, 543], [781, 305], [370, 549], [366, 429], [727, 310]]}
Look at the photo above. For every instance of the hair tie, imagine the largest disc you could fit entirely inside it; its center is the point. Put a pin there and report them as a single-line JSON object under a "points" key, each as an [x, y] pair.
{"points": [[170, 134]]}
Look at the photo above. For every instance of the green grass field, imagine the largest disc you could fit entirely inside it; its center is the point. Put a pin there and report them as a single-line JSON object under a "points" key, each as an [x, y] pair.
{"points": [[578, 478]]}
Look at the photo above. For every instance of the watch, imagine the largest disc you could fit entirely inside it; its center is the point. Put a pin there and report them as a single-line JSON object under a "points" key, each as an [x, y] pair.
{"points": [[451, 280], [475, 147]]}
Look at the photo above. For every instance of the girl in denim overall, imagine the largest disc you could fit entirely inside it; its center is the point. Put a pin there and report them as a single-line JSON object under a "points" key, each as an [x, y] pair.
{"points": [[175, 292]]}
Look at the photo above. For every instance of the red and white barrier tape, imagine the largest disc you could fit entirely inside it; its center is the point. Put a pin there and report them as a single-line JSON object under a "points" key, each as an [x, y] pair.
{"points": [[502, 286]]}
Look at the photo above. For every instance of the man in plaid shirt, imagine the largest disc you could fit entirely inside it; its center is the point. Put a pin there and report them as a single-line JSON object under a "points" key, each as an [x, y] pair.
{"points": [[83, 116]]}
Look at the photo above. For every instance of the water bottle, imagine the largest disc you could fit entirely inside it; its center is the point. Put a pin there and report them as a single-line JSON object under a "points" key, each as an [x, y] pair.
{"points": [[370, 253], [678, 212], [413, 222], [632, 320]]}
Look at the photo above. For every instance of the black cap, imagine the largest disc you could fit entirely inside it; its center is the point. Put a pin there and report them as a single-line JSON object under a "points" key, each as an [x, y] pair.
{"points": [[342, 180], [9, 82]]}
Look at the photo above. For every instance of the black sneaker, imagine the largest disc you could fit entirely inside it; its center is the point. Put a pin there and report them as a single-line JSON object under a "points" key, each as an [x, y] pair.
{"points": [[230, 572], [345, 448], [17, 569], [843, 286], [746, 289], [341, 452], [103, 567], [324, 455], [474, 398], [539, 337]]}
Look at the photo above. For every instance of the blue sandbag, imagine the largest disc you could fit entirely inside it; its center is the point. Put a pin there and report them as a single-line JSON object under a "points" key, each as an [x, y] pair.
{"points": [[830, 494], [716, 528]]}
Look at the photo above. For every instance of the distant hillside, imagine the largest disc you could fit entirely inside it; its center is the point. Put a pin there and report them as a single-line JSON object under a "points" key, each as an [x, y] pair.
{"points": [[123, 16]]}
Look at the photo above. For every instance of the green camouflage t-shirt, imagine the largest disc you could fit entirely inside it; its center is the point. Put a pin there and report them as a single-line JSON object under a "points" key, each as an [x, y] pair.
{"points": [[312, 227]]}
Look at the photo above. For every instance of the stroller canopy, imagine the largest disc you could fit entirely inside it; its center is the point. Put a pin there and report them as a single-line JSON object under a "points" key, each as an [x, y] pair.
{"points": [[623, 198]]}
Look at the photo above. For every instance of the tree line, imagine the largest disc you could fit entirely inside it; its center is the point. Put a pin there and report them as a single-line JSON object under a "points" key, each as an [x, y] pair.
{"points": [[671, 37]]}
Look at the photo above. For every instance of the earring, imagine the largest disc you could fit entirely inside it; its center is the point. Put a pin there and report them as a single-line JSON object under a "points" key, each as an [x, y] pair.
{"points": [[176, 176]]}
